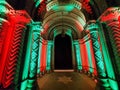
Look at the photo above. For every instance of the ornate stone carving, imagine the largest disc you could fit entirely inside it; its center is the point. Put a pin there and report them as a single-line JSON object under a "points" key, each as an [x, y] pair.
{"points": [[13, 43], [93, 27], [33, 54]]}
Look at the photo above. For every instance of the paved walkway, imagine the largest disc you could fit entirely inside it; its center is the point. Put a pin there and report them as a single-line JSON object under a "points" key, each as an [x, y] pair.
{"points": [[65, 81]]}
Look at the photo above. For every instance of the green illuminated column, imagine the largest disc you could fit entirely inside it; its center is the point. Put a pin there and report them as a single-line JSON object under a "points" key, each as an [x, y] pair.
{"points": [[34, 58], [78, 57], [102, 81], [31, 58], [39, 53], [107, 60], [34, 55], [49, 54], [110, 20]]}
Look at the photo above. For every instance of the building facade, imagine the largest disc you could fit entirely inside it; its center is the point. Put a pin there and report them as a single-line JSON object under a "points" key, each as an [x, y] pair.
{"points": [[43, 36]]}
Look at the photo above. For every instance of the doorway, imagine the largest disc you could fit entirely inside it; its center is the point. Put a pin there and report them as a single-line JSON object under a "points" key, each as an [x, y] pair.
{"points": [[63, 52]]}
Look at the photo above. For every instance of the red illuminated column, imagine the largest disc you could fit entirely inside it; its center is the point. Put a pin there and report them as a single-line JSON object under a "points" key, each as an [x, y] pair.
{"points": [[4, 43], [84, 55], [3, 33], [4, 28], [90, 59], [43, 56]]}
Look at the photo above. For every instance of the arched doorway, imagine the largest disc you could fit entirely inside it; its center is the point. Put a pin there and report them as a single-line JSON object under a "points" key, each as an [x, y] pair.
{"points": [[63, 52]]}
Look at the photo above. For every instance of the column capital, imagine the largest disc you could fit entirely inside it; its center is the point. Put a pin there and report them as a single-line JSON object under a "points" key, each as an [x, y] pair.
{"points": [[92, 26], [19, 17], [36, 26]]}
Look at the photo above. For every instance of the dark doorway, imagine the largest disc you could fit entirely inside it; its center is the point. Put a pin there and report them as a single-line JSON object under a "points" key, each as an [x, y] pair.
{"points": [[63, 52]]}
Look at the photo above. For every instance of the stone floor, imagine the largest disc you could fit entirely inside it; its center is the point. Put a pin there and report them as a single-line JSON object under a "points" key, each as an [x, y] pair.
{"points": [[65, 81]]}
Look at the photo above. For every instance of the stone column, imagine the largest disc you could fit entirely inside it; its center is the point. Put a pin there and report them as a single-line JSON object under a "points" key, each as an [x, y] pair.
{"points": [[110, 18], [78, 55], [4, 29], [34, 37], [13, 45], [49, 56], [102, 79]]}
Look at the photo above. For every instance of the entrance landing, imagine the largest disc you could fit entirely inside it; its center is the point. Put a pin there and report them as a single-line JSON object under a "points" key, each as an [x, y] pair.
{"points": [[65, 81]]}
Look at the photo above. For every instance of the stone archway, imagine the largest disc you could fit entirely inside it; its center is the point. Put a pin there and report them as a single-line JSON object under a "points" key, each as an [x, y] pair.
{"points": [[63, 52]]}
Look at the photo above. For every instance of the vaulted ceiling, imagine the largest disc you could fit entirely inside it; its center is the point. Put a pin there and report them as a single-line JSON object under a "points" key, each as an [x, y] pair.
{"points": [[92, 9]]}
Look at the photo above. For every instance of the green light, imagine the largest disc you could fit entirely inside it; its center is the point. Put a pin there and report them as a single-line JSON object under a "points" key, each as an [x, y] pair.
{"points": [[107, 60], [3, 8], [68, 7], [79, 61], [34, 53], [48, 61], [89, 56], [39, 53], [113, 84], [23, 85], [31, 57], [93, 27], [37, 2], [27, 57], [98, 54]]}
